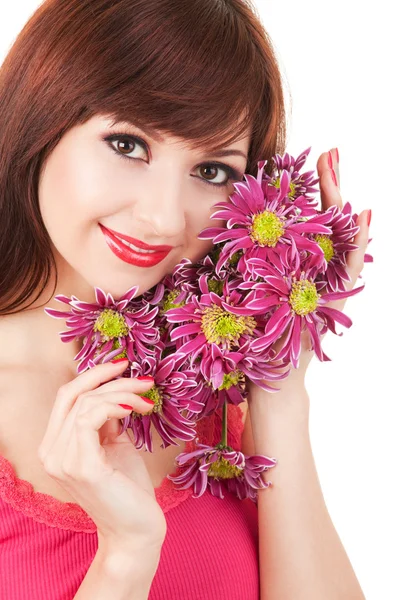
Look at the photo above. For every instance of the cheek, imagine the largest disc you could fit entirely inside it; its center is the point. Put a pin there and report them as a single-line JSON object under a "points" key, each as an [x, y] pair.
{"points": [[199, 220], [75, 187]]}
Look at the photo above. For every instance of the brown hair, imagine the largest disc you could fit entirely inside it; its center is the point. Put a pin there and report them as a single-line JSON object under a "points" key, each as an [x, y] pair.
{"points": [[184, 67]]}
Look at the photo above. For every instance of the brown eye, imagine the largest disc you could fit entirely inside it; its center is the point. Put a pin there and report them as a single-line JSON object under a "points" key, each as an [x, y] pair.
{"points": [[210, 172], [124, 146]]}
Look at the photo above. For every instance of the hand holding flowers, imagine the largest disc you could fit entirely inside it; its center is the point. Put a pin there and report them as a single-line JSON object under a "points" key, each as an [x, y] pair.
{"points": [[243, 316], [345, 260]]}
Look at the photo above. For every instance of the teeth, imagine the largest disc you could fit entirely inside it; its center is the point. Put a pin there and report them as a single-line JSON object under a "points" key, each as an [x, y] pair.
{"points": [[132, 247]]}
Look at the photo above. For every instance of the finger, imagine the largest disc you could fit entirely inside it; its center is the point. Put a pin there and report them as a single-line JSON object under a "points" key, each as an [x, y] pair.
{"points": [[69, 392], [123, 384], [133, 385], [330, 192], [90, 402], [86, 461], [130, 385], [355, 258], [111, 428], [64, 460]]}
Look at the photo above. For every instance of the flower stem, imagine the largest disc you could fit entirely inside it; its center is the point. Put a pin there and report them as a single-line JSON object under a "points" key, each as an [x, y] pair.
{"points": [[224, 438]]}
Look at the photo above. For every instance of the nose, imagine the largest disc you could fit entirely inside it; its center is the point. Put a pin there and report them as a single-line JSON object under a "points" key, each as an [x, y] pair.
{"points": [[161, 210]]}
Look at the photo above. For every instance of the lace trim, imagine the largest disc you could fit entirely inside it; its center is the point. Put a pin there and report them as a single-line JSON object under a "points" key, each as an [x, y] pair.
{"points": [[50, 511]]}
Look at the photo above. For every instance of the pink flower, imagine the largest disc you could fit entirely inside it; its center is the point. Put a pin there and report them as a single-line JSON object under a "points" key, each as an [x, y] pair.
{"points": [[220, 337], [297, 305], [262, 225], [110, 328], [336, 246], [301, 184], [222, 468], [175, 388]]}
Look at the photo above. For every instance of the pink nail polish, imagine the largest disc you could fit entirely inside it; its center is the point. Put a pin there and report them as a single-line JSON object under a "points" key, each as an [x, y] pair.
{"points": [[334, 177], [145, 378], [337, 155], [330, 160]]}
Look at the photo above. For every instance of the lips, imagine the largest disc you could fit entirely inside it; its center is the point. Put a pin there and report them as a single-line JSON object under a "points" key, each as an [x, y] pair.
{"points": [[128, 255], [138, 243]]}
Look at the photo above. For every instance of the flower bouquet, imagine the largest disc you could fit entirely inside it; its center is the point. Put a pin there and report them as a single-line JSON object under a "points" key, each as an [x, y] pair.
{"points": [[208, 327]]}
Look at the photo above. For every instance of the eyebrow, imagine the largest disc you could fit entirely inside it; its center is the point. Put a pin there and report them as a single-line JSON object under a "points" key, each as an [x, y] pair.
{"points": [[156, 136]]}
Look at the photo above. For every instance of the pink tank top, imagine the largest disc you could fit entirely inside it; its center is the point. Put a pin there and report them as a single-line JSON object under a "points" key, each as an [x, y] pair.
{"points": [[210, 551]]}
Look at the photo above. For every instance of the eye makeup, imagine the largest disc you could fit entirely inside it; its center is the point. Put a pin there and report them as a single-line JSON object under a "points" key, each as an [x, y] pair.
{"points": [[232, 173]]}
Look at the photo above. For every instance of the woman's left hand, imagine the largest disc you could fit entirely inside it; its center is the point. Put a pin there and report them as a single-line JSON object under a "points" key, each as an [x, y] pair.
{"points": [[330, 195]]}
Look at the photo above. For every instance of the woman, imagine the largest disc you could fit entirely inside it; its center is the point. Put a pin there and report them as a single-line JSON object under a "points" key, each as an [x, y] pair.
{"points": [[169, 87]]}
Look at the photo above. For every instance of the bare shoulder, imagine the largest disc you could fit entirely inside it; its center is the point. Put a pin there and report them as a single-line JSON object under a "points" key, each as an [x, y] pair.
{"points": [[8, 378], [26, 396]]}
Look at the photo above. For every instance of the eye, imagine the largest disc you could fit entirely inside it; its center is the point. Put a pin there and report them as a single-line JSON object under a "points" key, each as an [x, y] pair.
{"points": [[208, 171], [122, 145]]}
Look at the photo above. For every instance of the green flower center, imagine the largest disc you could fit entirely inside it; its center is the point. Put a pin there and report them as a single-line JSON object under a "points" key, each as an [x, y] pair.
{"points": [[222, 469], [154, 394], [111, 324], [267, 228], [224, 328], [168, 301], [122, 354], [215, 286], [292, 186], [303, 297], [234, 259], [326, 244], [231, 379], [215, 253]]}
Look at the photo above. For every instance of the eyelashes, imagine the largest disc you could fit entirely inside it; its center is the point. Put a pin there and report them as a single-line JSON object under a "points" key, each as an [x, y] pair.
{"points": [[233, 174]]}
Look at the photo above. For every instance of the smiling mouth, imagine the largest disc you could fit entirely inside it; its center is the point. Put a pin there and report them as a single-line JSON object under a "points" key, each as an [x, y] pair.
{"points": [[135, 248], [130, 253]]}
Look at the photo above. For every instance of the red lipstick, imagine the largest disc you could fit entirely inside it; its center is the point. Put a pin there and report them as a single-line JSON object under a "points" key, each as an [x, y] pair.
{"points": [[140, 259]]}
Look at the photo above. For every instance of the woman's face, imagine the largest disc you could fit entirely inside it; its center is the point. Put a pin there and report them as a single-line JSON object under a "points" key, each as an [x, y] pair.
{"points": [[157, 191]]}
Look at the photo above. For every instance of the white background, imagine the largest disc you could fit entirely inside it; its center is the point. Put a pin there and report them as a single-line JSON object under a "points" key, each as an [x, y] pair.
{"points": [[340, 63]]}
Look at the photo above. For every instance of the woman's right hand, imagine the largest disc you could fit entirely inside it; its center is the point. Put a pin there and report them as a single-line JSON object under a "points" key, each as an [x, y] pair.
{"points": [[109, 481]]}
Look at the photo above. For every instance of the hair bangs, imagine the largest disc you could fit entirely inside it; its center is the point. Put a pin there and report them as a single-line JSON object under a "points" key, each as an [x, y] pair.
{"points": [[204, 84]]}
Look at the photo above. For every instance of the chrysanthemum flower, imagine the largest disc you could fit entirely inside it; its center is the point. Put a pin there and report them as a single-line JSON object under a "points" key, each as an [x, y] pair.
{"points": [[222, 468], [336, 245], [176, 386], [220, 338], [298, 305], [301, 184], [111, 328], [263, 226]]}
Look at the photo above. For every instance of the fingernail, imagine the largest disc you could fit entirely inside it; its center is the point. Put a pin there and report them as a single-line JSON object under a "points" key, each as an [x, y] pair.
{"points": [[118, 360], [337, 155], [126, 406], [334, 177], [330, 163], [145, 378], [369, 217], [148, 400]]}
